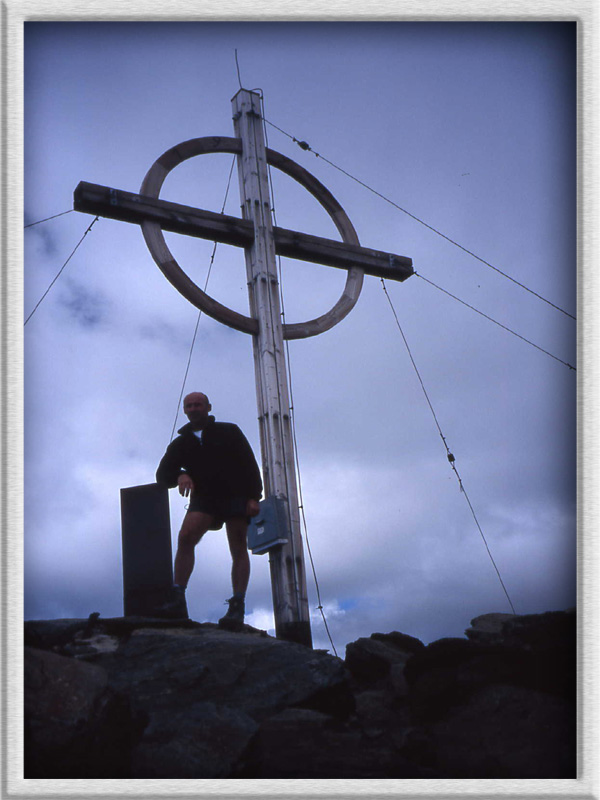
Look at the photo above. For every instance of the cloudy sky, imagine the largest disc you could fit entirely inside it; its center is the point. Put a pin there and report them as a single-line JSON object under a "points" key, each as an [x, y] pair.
{"points": [[468, 127]]}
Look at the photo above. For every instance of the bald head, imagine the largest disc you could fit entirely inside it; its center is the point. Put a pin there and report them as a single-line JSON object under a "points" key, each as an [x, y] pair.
{"points": [[196, 406], [193, 396]]}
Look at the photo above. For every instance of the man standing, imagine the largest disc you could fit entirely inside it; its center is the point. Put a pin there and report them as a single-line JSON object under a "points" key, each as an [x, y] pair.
{"points": [[212, 464]]}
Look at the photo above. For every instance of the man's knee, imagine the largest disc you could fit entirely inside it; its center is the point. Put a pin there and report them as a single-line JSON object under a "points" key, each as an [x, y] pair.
{"points": [[237, 532], [194, 526]]}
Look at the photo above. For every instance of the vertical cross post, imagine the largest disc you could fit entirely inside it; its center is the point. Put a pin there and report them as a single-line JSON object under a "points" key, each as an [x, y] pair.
{"points": [[288, 577]]}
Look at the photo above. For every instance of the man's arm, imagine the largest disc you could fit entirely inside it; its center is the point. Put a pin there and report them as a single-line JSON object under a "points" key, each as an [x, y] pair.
{"points": [[169, 470], [248, 472]]}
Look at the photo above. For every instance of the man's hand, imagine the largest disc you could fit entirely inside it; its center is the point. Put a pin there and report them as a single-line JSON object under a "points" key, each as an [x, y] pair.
{"points": [[252, 508], [186, 485]]}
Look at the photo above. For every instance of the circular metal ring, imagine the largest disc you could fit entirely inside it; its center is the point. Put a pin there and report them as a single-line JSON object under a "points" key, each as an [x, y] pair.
{"points": [[161, 254]]}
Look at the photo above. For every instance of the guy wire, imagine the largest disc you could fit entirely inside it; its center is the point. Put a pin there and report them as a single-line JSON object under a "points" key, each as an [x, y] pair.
{"points": [[60, 270], [238, 68], [495, 321], [305, 146], [450, 456], [54, 216]]}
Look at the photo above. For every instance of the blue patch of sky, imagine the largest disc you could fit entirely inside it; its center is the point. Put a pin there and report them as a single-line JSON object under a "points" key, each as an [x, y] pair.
{"points": [[42, 235], [160, 331], [86, 308]]}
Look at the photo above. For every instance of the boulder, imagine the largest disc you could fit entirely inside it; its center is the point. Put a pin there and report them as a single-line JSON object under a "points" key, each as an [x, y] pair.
{"points": [[505, 732], [380, 715], [176, 668], [554, 629], [202, 741], [75, 726], [447, 671], [371, 659], [499, 705], [301, 743], [488, 628]]}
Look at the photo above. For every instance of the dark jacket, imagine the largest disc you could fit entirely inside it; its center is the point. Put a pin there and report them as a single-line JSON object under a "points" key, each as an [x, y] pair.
{"points": [[221, 466]]}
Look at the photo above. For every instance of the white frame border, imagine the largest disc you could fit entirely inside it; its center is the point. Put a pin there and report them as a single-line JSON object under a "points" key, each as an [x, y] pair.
{"points": [[12, 17]]}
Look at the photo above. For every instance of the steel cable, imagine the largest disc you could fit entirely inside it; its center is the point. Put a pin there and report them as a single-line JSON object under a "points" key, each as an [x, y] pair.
{"points": [[60, 271], [305, 146], [449, 455]]}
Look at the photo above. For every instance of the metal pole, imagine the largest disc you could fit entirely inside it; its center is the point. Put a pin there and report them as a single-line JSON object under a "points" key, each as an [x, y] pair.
{"points": [[288, 577]]}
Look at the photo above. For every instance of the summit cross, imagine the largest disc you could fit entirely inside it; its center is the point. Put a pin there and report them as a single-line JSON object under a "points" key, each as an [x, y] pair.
{"points": [[262, 242]]}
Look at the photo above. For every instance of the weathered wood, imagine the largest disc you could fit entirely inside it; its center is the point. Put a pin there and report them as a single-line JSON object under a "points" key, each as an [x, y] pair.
{"points": [[330, 253], [157, 245], [286, 561], [130, 207]]}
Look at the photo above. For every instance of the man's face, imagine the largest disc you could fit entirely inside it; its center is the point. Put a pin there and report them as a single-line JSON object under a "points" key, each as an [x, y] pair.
{"points": [[196, 408]]}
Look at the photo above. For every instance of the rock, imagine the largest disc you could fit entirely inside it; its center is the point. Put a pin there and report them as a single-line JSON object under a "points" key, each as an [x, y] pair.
{"points": [[398, 682], [378, 714], [487, 628], [540, 631], [131, 697], [449, 671], [299, 743], [178, 668], [53, 634], [73, 636], [506, 732], [549, 631], [401, 641], [419, 748], [498, 710], [370, 659], [204, 741], [197, 692], [73, 722]]}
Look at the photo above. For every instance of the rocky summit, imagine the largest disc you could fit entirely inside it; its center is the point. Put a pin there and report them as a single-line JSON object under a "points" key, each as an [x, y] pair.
{"points": [[131, 697]]}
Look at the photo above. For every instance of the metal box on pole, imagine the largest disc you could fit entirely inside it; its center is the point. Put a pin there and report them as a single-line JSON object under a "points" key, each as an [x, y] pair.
{"points": [[270, 527]]}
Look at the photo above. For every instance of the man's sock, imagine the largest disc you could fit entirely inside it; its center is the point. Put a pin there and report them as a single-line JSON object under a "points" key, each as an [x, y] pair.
{"points": [[179, 588], [239, 595]]}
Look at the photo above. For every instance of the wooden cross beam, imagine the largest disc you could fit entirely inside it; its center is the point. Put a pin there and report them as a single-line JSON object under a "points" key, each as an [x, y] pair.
{"points": [[130, 207]]}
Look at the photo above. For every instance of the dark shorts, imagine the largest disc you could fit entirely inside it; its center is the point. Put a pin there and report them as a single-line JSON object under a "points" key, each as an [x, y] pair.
{"points": [[221, 509]]}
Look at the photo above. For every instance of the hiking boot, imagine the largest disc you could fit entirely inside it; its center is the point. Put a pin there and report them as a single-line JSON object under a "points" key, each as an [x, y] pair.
{"points": [[174, 608], [234, 618]]}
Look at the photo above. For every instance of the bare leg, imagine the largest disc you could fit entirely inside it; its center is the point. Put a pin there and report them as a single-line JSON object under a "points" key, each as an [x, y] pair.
{"points": [[194, 526], [237, 529]]}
